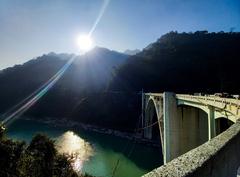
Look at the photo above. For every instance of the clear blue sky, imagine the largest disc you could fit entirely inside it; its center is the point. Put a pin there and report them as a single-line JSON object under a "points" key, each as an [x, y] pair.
{"points": [[29, 28]]}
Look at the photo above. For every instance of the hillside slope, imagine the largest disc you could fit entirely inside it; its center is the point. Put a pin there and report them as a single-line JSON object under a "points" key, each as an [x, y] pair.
{"points": [[183, 63], [88, 75]]}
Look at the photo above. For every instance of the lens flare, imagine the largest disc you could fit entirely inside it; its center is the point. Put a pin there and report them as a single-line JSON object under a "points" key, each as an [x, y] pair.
{"points": [[85, 43], [103, 9], [28, 102]]}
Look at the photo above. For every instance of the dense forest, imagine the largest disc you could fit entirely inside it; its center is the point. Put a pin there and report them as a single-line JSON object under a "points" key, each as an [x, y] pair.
{"points": [[184, 63], [103, 87]]}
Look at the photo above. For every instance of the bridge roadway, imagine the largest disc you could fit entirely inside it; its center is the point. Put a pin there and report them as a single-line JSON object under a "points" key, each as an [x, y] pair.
{"points": [[186, 121], [225, 107]]}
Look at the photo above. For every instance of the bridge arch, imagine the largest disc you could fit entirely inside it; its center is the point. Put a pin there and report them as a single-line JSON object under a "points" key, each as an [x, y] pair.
{"points": [[201, 107], [153, 125], [150, 102], [222, 124], [151, 117], [222, 119], [225, 115]]}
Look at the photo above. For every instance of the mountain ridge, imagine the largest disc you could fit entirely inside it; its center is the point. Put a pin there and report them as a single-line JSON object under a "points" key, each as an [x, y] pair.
{"points": [[132, 52], [88, 73], [102, 88], [184, 62]]}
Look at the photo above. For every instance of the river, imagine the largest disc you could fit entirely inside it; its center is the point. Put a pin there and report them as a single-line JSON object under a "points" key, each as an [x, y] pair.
{"points": [[98, 153]]}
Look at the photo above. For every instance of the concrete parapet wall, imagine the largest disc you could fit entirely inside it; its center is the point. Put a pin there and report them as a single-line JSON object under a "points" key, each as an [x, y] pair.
{"points": [[219, 157]]}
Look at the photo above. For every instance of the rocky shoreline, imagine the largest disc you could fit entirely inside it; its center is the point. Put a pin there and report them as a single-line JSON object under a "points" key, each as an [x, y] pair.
{"points": [[92, 128]]}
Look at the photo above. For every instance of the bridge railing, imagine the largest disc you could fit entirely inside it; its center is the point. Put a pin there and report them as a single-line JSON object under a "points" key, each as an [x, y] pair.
{"points": [[154, 94], [230, 107], [214, 99]]}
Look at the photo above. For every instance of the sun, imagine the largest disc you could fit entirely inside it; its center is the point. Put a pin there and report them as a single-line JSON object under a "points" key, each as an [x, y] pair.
{"points": [[84, 42]]}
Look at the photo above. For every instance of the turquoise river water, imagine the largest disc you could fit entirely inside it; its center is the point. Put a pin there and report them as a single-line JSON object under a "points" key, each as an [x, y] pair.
{"points": [[97, 154]]}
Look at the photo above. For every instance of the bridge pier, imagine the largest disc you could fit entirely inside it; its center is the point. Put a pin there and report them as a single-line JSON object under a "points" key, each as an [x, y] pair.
{"points": [[170, 123], [184, 127]]}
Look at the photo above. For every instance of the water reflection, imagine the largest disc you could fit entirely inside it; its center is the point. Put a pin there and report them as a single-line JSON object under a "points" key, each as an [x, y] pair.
{"points": [[76, 148]]}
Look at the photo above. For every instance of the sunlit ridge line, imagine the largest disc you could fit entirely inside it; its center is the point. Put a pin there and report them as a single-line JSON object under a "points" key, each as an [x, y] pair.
{"points": [[104, 6], [41, 92]]}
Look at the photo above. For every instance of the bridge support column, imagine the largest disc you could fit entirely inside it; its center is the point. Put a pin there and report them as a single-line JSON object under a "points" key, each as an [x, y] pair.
{"points": [[171, 133], [211, 123]]}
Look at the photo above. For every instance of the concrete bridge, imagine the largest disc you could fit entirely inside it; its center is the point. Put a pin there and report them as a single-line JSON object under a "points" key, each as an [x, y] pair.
{"points": [[184, 122]]}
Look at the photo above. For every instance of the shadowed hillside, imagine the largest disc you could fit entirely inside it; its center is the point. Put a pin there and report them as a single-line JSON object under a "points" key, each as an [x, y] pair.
{"points": [[75, 96], [88, 74], [183, 63]]}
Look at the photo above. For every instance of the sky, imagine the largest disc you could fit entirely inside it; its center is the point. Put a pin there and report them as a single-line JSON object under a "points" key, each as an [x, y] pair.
{"points": [[31, 28]]}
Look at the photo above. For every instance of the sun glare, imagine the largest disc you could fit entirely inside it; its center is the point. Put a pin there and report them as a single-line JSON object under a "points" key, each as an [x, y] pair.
{"points": [[84, 43], [76, 148]]}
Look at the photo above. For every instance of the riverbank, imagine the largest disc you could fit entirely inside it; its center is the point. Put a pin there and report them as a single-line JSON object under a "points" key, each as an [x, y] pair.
{"points": [[64, 122]]}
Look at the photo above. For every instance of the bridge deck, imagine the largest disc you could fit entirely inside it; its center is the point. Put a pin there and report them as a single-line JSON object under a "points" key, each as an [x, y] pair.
{"points": [[225, 107]]}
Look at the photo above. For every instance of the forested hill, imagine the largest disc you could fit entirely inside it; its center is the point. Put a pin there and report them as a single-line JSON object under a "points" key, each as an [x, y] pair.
{"points": [[183, 63], [88, 73]]}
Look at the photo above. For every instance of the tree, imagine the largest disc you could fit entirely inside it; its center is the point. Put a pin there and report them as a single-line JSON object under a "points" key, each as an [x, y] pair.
{"points": [[39, 159]]}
